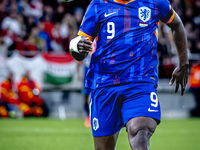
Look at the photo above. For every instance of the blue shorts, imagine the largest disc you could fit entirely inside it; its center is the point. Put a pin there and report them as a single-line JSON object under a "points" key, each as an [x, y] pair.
{"points": [[112, 107]]}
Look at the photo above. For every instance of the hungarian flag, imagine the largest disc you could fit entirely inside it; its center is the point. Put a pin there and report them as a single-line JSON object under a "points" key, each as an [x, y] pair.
{"points": [[60, 68]]}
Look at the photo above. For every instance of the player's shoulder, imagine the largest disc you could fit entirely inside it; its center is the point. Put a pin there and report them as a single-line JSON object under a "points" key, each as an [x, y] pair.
{"points": [[97, 4], [95, 1], [161, 2]]}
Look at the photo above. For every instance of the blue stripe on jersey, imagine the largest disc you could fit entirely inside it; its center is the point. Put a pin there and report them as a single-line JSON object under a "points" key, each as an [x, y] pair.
{"points": [[141, 68], [129, 38]]}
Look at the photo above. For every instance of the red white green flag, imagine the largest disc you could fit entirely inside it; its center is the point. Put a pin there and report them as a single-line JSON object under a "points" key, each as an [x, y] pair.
{"points": [[60, 68]]}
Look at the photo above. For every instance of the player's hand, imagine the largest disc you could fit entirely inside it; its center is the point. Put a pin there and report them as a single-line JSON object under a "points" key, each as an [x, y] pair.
{"points": [[180, 74], [84, 46]]}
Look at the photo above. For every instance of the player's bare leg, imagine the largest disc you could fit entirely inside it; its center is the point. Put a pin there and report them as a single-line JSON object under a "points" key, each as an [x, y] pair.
{"points": [[106, 142], [140, 129], [86, 107]]}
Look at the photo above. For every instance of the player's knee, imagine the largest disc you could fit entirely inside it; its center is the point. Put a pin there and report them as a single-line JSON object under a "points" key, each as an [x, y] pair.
{"points": [[139, 137], [142, 131]]}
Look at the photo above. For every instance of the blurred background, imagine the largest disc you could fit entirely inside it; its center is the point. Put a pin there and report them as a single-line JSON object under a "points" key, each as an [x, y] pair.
{"points": [[39, 76], [40, 80]]}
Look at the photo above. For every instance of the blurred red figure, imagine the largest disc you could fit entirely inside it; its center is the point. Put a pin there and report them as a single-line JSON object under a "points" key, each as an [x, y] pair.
{"points": [[7, 93], [194, 83], [3, 112], [28, 92], [8, 96]]}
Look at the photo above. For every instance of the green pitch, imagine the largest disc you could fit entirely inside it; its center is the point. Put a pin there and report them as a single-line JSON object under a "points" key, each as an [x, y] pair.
{"points": [[49, 134]]}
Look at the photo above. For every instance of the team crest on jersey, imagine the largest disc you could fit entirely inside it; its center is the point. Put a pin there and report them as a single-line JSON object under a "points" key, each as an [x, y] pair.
{"points": [[95, 124], [144, 14]]}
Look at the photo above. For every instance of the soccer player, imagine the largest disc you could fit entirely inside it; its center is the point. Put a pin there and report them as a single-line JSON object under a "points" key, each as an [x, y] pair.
{"points": [[123, 69]]}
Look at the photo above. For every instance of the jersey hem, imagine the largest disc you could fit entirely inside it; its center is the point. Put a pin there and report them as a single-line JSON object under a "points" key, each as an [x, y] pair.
{"points": [[108, 133], [125, 81]]}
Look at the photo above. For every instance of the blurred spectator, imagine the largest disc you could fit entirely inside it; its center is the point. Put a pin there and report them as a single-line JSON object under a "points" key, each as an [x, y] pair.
{"points": [[78, 14], [70, 21], [23, 6], [19, 44], [36, 9], [166, 50], [20, 19], [189, 31], [11, 6], [9, 96], [198, 46], [194, 83], [189, 15], [2, 10], [32, 42], [196, 5], [30, 24], [29, 93], [59, 14], [48, 14], [3, 46], [56, 42], [64, 28], [68, 30], [53, 4], [44, 36], [11, 23], [176, 5], [48, 24], [3, 111]]}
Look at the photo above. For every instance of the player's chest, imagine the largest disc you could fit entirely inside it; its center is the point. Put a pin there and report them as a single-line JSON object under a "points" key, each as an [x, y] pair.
{"points": [[138, 16]]}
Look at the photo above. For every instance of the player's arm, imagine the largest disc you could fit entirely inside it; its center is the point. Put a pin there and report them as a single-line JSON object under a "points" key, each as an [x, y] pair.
{"points": [[180, 74], [80, 47]]}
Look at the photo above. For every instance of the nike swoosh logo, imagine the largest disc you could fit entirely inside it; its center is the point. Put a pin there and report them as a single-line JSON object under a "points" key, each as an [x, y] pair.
{"points": [[150, 110], [106, 15]]}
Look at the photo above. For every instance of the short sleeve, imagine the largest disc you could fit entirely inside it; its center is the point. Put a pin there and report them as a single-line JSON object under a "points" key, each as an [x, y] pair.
{"points": [[88, 26], [166, 12]]}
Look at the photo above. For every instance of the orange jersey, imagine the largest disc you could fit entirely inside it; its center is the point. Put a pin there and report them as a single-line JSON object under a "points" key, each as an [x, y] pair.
{"points": [[7, 93], [26, 92], [3, 112]]}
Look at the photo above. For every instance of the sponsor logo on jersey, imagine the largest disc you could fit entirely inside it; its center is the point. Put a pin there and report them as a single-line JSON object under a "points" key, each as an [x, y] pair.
{"points": [[152, 110], [95, 124], [106, 15], [144, 14]]}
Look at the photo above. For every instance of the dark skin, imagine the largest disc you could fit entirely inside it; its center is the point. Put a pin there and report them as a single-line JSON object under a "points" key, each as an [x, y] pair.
{"points": [[84, 46], [140, 129], [180, 74]]}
